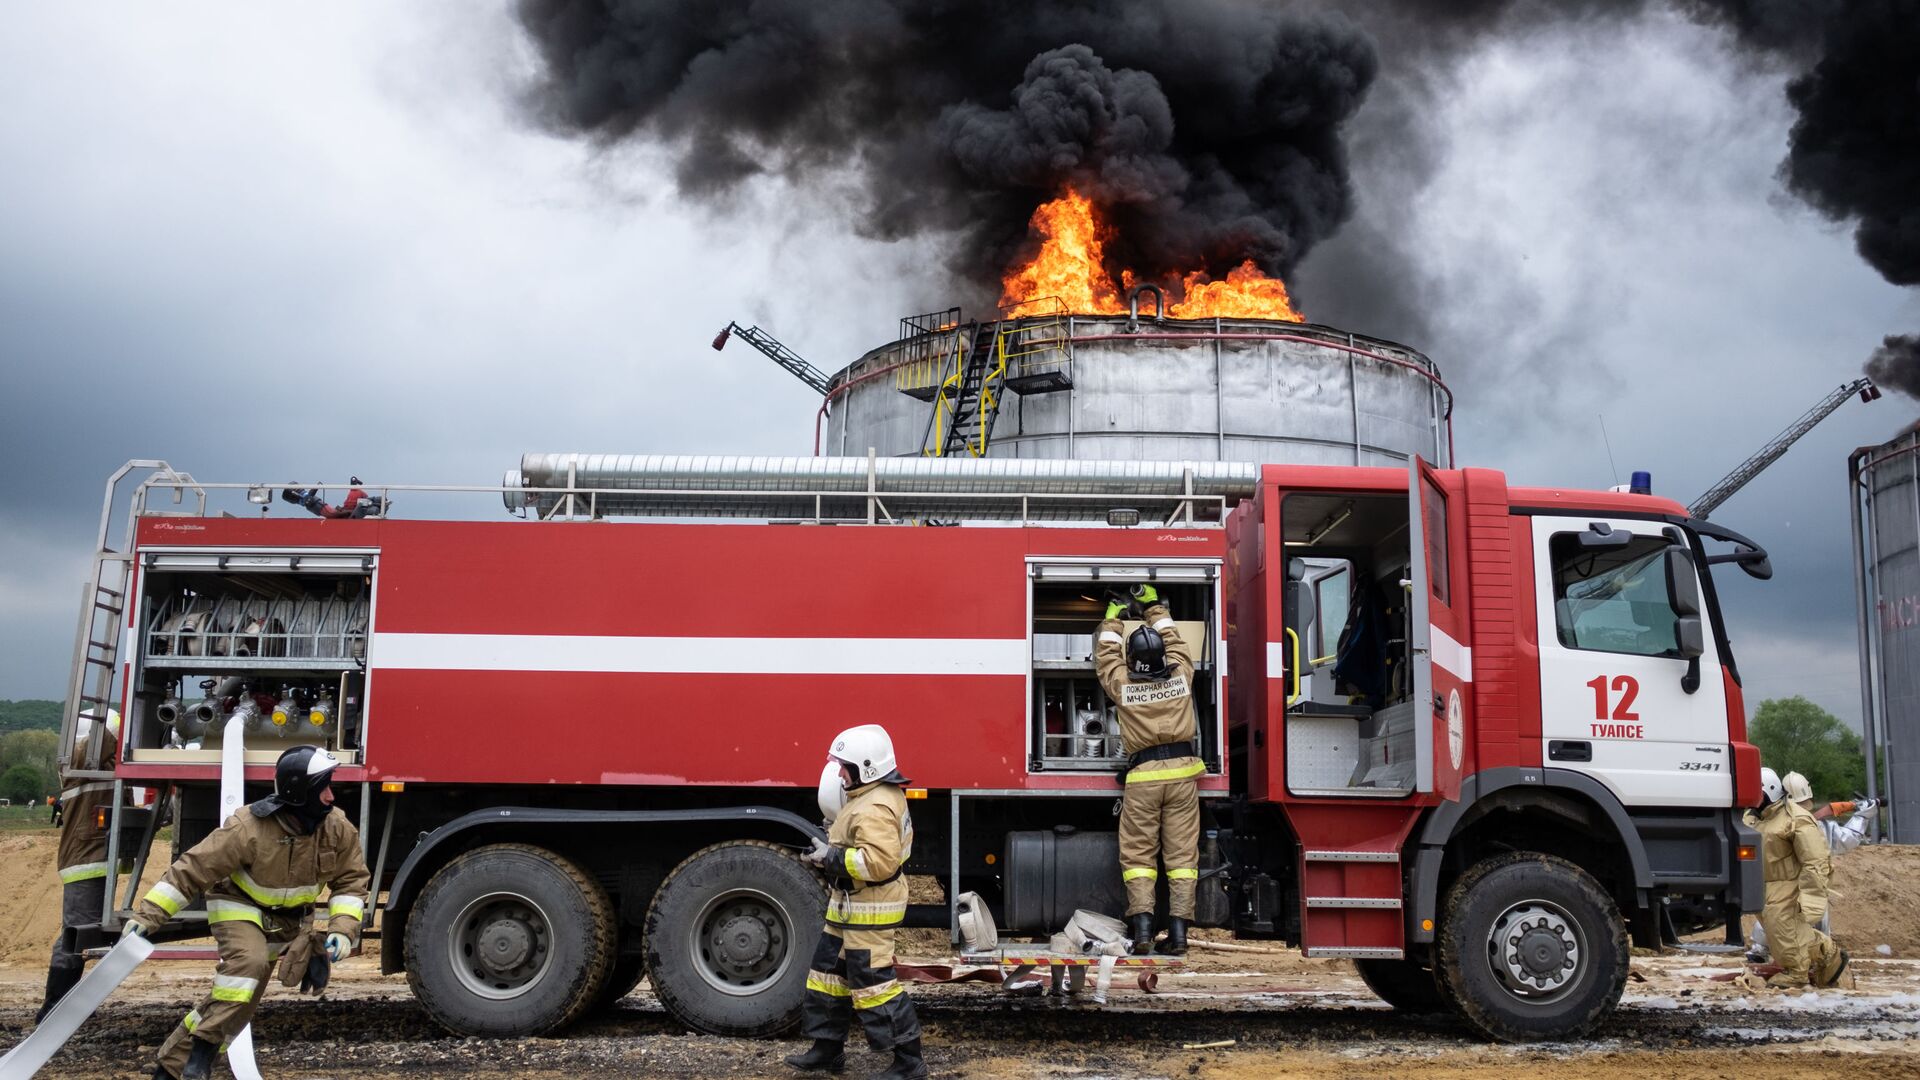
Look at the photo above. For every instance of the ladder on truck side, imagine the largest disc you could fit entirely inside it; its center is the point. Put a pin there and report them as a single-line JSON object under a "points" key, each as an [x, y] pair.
{"points": [[96, 646], [968, 399]]}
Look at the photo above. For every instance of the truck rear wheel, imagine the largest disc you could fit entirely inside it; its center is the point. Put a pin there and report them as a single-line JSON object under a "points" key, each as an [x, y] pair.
{"points": [[511, 940], [729, 936], [1531, 948], [1403, 984]]}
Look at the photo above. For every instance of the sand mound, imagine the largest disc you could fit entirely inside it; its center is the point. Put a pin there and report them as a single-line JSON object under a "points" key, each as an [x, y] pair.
{"points": [[1878, 901], [30, 892]]}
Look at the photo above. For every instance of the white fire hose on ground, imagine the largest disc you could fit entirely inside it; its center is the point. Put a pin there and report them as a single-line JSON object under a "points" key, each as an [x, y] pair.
{"points": [[1092, 934]]}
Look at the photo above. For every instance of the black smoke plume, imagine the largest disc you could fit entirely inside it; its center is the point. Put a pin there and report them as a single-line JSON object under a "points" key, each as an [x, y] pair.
{"points": [[1895, 365], [1207, 130]]}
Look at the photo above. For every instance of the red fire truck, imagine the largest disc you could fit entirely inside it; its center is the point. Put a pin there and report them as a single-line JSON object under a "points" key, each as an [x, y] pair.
{"points": [[1474, 737]]}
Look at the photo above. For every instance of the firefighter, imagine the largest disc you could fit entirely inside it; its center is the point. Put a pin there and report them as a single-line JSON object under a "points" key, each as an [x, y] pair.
{"points": [[82, 859], [1841, 838], [1149, 678], [261, 872], [869, 839], [1796, 863]]}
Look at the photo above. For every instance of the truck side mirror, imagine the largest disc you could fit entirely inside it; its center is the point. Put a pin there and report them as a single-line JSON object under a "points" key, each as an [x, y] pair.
{"points": [[1755, 563], [1691, 636], [1682, 586]]}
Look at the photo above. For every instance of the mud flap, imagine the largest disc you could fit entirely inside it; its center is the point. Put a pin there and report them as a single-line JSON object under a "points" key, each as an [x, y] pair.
{"points": [[88, 994]]}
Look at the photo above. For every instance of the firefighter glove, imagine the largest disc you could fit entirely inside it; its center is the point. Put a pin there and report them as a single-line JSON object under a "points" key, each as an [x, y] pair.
{"points": [[319, 970], [1812, 908], [1145, 594], [1115, 609], [133, 929], [338, 946], [817, 854]]}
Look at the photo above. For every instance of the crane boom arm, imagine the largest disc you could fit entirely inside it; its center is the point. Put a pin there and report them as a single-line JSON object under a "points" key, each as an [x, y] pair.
{"points": [[780, 354], [1744, 472]]}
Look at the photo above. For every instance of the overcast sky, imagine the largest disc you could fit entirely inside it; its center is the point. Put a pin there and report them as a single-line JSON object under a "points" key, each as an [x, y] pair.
{"points": [[313, 241]]}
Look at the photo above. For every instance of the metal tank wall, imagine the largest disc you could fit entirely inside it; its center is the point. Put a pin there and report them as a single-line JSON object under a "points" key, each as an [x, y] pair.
{"points": [[1230, 389], [1889, 478]]}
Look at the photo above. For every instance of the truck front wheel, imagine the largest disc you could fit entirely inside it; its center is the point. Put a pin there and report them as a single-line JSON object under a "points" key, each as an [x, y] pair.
{"points": [[1531, 947], [729, 936], [509, 940]]}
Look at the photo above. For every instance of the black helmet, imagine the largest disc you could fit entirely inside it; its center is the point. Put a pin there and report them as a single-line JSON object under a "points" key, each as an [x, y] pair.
{"points": [[1146, 654], [298, 778]]}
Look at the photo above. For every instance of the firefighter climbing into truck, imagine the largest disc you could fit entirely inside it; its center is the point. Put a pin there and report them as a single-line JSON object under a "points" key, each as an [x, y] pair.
{"points": [[1148, 678]]}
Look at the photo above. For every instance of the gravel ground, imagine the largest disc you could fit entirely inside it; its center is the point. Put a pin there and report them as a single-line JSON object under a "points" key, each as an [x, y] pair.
{"points": [[1286, 1017]]}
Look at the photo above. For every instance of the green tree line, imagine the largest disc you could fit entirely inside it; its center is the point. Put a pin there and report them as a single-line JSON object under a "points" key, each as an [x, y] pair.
{"points": [[29, 750]]}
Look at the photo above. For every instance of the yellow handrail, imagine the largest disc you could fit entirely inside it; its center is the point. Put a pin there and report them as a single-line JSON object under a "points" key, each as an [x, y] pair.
{"points": [[1293, 672]]}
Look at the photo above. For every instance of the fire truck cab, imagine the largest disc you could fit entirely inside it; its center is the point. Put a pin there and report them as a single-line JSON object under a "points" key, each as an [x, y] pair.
{"points": [[1473, 737]]}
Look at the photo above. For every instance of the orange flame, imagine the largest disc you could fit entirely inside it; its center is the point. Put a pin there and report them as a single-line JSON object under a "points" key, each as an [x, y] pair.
{"points": [[1071, 266]]}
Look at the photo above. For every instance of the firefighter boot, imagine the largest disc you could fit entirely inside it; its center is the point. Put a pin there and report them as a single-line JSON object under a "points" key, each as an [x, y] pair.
{"points": [[1142, 933], [824, 1056], [1836, 966], [59, 981], [907, 1063], [200, 1062], [1175, 943]]}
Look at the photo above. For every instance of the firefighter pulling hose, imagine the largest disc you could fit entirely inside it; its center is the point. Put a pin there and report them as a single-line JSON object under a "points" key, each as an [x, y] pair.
{"points": [[261, 872], [1797, 864], [1150, 680]]}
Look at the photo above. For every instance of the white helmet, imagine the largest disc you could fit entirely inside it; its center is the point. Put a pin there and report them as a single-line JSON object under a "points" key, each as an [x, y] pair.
{"points": [[1771, 790], [869, 750], [1797, 787], [85, 730]]}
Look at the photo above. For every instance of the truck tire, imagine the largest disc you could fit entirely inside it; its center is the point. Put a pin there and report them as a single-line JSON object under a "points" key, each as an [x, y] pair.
{"points": [[509, 940], [1531, 947], [729, 936], [1403, 984]]}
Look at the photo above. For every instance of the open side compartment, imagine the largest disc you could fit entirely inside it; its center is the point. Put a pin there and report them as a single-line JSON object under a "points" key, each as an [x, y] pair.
{"points": [[278, 639], [1351, 712], [1071, 724]]}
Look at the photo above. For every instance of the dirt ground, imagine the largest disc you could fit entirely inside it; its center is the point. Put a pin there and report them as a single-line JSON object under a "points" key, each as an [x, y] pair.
{"points": [[1285, 1016]]}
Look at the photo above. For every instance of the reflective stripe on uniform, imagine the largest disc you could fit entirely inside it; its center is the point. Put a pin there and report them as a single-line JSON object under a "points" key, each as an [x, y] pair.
{"points": [[167, 898], [347, 905], [828, 983], [73, 793], [1182, 772], [292, 896], [861, 913], [1182, 874], [872, 997], [85, 871], [1132, 872], [234, 988], [1111, 635], [1163, 624], [192, 1021], [219, 911], [856, 864]]}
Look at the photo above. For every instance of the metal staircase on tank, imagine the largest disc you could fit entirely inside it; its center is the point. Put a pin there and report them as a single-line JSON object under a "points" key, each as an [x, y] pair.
{"points": [[968, 400]]}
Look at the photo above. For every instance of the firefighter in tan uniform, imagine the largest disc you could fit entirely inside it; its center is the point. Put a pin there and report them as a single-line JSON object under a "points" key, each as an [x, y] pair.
{"points": [[82, 859], [1796, 863], [261, 872], [1149, 678], [869, 839]]}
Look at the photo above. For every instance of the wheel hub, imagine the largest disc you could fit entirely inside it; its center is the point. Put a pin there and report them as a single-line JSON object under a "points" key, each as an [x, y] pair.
{"points": [[504, 944], [741, 941], [1534, 950]]}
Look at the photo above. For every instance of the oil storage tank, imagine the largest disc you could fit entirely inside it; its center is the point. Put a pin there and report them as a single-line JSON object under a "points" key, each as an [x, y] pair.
{"points": [[1885, 485], [1121, 387]]}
